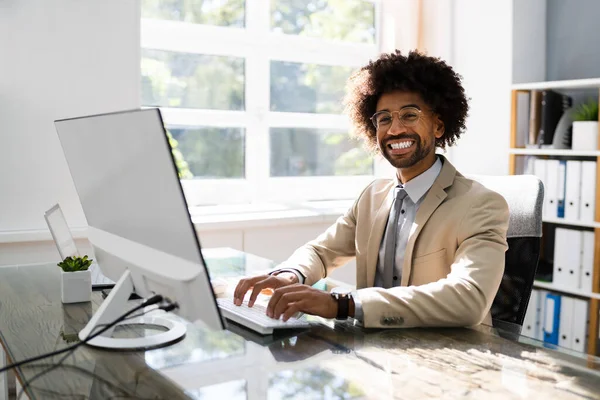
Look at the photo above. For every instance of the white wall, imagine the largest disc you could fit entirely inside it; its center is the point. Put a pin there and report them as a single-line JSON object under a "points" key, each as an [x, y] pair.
{"points": [[482, 54], [59, 59], [529, 40]]}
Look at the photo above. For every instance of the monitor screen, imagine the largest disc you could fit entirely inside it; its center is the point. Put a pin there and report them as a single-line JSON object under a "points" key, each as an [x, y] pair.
{"points": [[125, 175]]}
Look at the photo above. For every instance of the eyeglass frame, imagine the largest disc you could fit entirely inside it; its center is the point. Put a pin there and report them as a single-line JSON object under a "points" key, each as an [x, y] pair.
{"points": [[418, 111]]}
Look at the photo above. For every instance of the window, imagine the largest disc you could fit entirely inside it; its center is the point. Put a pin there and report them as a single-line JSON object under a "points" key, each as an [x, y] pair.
{"points": [[251, 94]]}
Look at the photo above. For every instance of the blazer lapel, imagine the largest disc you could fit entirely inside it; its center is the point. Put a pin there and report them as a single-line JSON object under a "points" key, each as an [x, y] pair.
{"points": [[433, 199], [376, 234]]}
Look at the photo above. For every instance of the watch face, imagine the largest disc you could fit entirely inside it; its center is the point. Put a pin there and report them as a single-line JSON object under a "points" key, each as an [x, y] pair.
{"points": [[341, 290]]}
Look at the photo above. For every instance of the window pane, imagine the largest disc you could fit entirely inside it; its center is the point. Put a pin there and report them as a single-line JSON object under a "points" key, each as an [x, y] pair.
{"points": [[171, 79], [347, 20], [317, 152], [308, 88], [209, 152], [209, 12]]}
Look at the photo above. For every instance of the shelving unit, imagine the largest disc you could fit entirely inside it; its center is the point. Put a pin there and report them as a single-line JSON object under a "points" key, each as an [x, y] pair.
{"points": [[562, 221], [551, 152], [514, 153], [593, 83], [560, 289]]}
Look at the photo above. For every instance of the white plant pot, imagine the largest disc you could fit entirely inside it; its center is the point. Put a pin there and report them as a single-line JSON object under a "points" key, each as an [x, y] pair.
{"points": [[585, 135], [76, 287]]}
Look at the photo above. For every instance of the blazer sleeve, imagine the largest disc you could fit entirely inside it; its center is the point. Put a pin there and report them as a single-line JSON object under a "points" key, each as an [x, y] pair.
{"points": [[465, 296], [333, 248]]}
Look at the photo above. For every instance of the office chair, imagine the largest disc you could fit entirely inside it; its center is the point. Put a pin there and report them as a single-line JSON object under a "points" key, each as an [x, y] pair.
{"points": [[524, 195]]}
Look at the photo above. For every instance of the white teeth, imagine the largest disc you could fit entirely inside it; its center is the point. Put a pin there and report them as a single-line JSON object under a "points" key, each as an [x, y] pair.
{"points": [[401, 145]]}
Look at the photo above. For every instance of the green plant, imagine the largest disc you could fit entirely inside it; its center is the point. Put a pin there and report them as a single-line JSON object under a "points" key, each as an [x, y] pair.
{"points": [[74, 264], [183, 169], [586, 111]]}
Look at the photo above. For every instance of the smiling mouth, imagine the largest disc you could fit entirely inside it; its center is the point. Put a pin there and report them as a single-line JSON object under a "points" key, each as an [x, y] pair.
{"points": [[405, 144]]}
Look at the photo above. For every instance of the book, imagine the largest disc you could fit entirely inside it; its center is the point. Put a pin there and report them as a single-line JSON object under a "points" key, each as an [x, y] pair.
{"points": [[553, 105], [535, 110], [523, 108]]}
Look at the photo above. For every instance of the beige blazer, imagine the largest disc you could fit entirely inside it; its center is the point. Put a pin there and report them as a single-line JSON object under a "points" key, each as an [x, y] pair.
{"points": [[454, 257]]}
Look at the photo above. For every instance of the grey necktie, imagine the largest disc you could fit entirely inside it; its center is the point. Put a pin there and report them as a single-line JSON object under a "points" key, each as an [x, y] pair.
{"points": [[389, 260]]}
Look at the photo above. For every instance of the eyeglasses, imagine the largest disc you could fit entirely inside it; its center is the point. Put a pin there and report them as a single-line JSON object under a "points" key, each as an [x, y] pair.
{"points": [[408, 117]]}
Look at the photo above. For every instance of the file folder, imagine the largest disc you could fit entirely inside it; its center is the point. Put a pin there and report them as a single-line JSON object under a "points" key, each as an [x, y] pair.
{"points": [[539, 170], [561, 256], [551, 194], [571, 250], [587, 261], [565, 329], [531, 320], [541, 311], [580, 325], [551, 318], [573, 190], [561, 190], [588, 191]]}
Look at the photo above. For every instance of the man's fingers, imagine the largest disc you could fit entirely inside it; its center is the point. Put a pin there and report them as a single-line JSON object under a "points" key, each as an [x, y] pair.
{"points": [[240, 291], [285, 301], [281, 298], [256, 290], [243, 286], [269, 282], [275, 298], [293, 309]]}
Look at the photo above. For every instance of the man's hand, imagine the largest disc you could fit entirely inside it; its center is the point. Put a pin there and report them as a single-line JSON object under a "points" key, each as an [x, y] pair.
{"points": [[291, 299], [259, 283]]}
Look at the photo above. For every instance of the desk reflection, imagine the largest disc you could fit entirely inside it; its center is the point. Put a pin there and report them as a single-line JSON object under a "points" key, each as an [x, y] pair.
{"points": [[347, 362]]}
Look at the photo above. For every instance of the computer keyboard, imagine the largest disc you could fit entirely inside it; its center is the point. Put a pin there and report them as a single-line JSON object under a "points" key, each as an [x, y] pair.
{"points": [[256, 319]]}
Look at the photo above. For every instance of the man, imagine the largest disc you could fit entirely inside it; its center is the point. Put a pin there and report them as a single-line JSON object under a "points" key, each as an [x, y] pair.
{"points": [[429, 244]]}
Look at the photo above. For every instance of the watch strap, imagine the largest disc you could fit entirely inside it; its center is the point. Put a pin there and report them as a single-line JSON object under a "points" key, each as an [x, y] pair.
{"points": [[343, 300]]}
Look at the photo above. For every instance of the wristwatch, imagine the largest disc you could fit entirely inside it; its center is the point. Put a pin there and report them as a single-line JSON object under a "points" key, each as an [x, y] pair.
{"points": [[343, 301]]}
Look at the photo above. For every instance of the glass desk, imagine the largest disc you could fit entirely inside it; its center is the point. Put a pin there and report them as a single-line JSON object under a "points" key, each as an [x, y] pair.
{"points": [[329, 361]]}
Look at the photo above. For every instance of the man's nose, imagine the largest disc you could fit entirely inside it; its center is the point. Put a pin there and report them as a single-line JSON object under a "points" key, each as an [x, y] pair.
{"points": [[397, 127]]}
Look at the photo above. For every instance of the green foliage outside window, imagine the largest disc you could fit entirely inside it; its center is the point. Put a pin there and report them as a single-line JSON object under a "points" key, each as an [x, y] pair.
{"points": [[347, 20], [183, 169], [210, 12], [198, 81]]}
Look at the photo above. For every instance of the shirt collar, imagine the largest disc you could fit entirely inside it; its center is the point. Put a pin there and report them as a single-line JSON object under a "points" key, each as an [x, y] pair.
{"points": [[419, 185]]}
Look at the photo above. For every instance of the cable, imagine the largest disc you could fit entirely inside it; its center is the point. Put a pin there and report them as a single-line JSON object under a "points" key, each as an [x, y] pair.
{"points": [[165, 307], [152, 300], [28, 383], [69, 353]]}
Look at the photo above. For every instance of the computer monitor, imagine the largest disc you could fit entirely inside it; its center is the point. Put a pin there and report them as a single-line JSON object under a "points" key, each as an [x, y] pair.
{"points": [[138, 220]]}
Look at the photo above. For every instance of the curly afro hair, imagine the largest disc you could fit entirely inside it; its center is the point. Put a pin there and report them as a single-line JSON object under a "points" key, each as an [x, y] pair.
{"points": [[437, 84]]}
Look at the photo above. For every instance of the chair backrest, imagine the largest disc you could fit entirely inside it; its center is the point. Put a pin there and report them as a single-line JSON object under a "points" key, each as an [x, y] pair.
{"points": [[524, 195]]}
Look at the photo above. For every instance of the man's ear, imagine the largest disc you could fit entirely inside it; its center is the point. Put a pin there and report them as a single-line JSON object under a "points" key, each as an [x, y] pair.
{"points": [[439, 126]]}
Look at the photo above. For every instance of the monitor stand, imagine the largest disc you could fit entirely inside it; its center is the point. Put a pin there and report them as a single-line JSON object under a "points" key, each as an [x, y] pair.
{"points": [[113, 307]]}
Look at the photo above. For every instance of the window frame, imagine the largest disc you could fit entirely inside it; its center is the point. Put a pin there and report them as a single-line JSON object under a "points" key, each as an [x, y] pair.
{"points": [[259, 46]]}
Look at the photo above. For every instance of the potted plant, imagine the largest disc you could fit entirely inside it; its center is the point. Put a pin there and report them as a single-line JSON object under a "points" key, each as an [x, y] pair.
{"points": [[76, 279], [585, 127]]}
